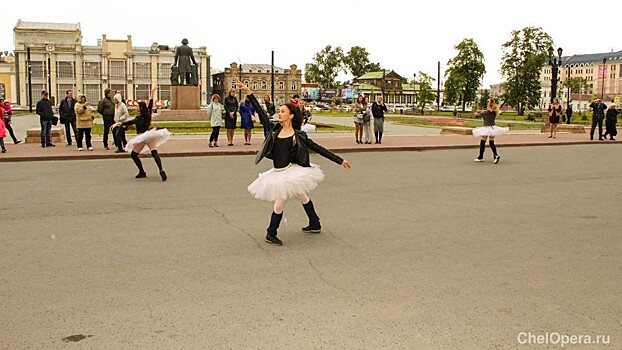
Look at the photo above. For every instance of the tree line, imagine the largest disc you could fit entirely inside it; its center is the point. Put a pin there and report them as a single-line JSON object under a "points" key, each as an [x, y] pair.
{"points": [[524, 55]]}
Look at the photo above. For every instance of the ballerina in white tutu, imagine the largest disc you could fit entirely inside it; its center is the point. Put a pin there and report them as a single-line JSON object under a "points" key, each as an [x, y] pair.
{"points": [[151, 138], [293, 176], [489, 130]]}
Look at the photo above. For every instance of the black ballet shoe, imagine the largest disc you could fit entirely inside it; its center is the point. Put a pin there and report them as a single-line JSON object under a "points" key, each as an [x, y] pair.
{"points": [[141, 175], [163, 175]]}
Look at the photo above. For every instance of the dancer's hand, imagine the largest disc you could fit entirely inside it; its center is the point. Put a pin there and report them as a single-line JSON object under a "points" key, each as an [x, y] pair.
{"points": [[243, 87], [346, 164]]}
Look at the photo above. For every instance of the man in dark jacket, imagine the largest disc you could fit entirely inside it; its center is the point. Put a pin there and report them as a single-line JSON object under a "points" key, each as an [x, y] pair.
{"points": [[106, 109], [44, 110], [598, 114], [68, 115]]}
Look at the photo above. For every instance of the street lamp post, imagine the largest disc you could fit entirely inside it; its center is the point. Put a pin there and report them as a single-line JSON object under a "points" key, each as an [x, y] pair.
{"points": [[555, 63], [602, 93], [414, 91], [568, 110]]}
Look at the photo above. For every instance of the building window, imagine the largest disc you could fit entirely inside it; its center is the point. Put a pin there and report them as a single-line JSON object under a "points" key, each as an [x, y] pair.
{"points": [[165, 92], [164, 70], [62, 91], [255, 84], [245, 82], [281, 85], [36, 92], [120, 87], [233, 84], [116, 69], [92, 70], [294, 86], [264, 85], [93, 93], [142, 70], [65, 70], [141, 91], [37, 69]]}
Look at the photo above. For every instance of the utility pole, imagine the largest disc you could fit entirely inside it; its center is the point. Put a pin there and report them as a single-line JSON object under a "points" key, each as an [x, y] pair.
{"points": [[29, 72]]}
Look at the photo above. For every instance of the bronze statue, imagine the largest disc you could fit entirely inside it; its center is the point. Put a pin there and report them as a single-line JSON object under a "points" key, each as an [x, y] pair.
{"points": [[184, 61]]}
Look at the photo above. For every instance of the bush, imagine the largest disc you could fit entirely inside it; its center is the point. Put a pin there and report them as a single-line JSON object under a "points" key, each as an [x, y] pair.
{"points": [[534, 116]]}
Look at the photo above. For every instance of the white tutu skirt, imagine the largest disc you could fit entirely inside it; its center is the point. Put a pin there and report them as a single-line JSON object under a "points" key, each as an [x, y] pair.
{"points": [[286, 183], [160, 136], [489, 131], [308, 128]]}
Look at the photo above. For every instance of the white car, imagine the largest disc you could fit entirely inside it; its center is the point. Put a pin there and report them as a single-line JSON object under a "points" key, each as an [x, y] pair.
{"points": [[344, 108], [400, 108]]}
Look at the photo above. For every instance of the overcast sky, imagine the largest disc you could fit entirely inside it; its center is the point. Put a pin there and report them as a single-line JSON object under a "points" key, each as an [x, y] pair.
{"points": [[405, 36]]}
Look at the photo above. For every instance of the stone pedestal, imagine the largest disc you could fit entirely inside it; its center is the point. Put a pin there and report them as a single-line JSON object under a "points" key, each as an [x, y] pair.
{"points": [[57, 135], [185, 97], [570, 128], [167, 115], [456, 130]]}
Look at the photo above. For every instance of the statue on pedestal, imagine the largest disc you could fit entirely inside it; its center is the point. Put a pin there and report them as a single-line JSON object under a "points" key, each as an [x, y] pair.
{"points": [[184, 71]]}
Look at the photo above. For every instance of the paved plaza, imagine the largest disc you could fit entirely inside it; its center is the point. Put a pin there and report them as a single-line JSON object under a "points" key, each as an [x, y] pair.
{"points": [[419, 250]]}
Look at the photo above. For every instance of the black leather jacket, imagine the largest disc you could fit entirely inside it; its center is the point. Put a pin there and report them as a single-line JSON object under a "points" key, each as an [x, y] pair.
{"points": [[303, 143]]}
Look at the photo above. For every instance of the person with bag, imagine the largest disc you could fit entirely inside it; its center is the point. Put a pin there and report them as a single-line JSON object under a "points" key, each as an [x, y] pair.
{"points": [[120, 115], [105, 107], [598, 114], [555, 111], [46, 119], [67, 114], [377, 109], [610, 123], [231, 119], [359, 111], [292, 175], [247, 119], [8, 113], [2, 129], [84, 122], [215, 112]]}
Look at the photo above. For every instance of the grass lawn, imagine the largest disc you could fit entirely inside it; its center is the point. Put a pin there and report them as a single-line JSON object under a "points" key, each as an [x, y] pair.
{"points": [[203, 128], [439, 123]]}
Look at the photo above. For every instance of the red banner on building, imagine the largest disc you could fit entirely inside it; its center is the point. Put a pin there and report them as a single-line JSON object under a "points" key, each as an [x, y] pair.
{"points": [[602, 72]]}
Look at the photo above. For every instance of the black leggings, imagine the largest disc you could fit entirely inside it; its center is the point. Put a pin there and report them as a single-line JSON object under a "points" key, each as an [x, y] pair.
{"points": [[214, 136]]}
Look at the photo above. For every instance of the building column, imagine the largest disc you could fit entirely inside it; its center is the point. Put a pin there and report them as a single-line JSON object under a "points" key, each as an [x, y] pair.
{"points": [[53, 71], [79, 73], [154, 73]]}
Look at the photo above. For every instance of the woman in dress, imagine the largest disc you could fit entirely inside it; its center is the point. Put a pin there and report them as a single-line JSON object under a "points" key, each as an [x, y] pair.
{"points": [[144, 137], [293, 175], [359, 110], [554, 112], [231, 118], [367, 121], [215, 111], [489, 130], [247, 114]]}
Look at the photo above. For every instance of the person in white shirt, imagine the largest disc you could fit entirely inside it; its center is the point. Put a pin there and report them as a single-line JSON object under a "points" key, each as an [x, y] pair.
{"points": [[120, 115]]}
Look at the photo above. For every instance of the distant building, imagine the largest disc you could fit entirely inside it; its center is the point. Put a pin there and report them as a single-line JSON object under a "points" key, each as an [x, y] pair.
{"points": [[395, 91], [287, 82], [7, 77], [605, 79], [59, 62]]}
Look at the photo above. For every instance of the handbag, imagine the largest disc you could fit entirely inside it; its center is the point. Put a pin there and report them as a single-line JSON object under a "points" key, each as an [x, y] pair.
{"points": [[54, 120]]}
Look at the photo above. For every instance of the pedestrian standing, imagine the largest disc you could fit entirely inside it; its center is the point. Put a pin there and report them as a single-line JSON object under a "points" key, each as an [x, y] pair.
{"points": [[67, 113], [106, 109], [84, 122], [359, 111], [151, 138], [247, 116], [598, 114], [555, 111], [46, 115], [120, 115], [610, 123], [270, 109], [8, 114], [367, 116], [569, 114], [215, 111], [231, 118], [489, 130], [292, 175], [2, 129], [377, 109]]}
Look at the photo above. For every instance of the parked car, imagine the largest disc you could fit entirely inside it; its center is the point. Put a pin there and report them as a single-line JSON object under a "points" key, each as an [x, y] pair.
{"points": [[322, 106], [400, 108], [344, 108], [447, 108]]}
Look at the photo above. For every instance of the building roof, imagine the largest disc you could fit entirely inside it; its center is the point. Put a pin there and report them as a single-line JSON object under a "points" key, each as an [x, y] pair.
{"points": [[260, 68], [593, 58], [377, 75], [363, 86], [22, 25]]}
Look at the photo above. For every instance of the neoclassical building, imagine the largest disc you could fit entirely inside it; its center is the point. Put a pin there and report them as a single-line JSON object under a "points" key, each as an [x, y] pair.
{"points": [[604, 78], [59, 62], [259, 78]]}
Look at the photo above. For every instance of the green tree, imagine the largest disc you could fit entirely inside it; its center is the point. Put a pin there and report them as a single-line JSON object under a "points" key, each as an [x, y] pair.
{"points": [[356, 62], [523, 57], [423, 90], [483, 99], [464, 73], [326, 66]]}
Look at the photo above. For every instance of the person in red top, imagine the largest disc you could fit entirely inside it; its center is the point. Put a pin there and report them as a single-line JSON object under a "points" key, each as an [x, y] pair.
{"points": [[555, 111], [2, 130], [8, 112], [295, 100]]}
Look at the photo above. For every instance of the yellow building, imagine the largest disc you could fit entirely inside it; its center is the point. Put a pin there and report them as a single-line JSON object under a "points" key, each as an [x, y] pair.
{"points": [[7, 78], [59, 62]]}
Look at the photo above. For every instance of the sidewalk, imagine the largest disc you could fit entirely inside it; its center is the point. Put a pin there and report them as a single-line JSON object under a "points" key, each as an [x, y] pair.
{"points": [[342, 143]]}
